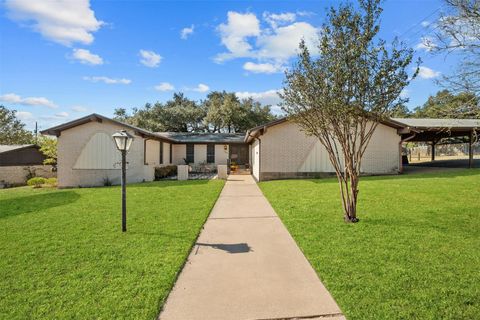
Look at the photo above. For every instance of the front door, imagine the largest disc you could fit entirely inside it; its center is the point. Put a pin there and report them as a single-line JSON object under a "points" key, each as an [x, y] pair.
{"points": [[239, 153]]}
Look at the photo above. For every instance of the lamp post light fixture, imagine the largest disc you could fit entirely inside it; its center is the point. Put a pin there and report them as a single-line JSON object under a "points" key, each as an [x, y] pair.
{"points": [[123, 141]]}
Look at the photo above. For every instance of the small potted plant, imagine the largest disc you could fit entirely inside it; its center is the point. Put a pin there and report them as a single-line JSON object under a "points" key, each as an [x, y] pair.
{"points": [[233, 166]]}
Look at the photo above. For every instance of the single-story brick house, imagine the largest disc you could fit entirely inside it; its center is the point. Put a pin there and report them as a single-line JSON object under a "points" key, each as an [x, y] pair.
{"points": [[87, 154]]}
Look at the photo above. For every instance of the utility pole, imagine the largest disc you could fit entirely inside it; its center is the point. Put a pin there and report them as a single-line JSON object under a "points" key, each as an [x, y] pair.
{"points": [[36, 132]]}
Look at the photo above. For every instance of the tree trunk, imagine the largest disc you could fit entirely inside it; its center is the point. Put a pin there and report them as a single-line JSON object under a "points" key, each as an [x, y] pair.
{"points": [[350, 197]]}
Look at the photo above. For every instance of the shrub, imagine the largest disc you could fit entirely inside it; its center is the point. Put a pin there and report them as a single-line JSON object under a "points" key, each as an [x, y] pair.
{"points": [[166, 171], [36, 182], [107, 182], [52, 182]]}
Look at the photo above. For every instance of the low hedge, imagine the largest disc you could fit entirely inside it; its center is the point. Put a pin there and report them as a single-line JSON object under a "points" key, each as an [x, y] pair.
{"points": [[164, 172], [36, 182]]}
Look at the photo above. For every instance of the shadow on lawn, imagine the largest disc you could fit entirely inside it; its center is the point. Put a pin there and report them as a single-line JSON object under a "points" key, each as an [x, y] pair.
{"points": [[167, 183], [35, 203], [408, 176]]}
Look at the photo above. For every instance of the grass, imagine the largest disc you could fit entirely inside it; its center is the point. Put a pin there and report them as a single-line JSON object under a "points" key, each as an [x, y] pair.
{"points": [[413, 255], [63, 255]]}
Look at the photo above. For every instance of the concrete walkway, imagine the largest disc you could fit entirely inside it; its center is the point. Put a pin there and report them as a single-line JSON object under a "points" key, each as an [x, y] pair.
{"points": [[245, 265]]}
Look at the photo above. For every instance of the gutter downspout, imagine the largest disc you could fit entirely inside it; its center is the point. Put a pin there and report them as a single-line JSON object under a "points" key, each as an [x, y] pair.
{"points": [[400, 162]]}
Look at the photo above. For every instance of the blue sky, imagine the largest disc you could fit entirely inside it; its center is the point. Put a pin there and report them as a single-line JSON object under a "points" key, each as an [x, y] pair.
{"points": [[63, 60]]}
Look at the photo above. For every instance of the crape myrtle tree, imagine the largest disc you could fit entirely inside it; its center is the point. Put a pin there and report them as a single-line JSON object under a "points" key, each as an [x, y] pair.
{"points": [[341, 95]]}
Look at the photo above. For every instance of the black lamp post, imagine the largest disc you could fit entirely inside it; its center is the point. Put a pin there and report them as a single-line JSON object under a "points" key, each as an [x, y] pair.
{"points": [[123, 141]]}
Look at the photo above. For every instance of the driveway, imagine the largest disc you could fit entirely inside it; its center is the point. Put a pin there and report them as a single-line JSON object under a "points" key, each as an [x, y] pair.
{"points": [[245, 265]]}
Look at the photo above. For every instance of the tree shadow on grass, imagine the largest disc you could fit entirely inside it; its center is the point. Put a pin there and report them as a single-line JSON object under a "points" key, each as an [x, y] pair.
{"points": [[35, 203], [447, 174], [167, 183]]}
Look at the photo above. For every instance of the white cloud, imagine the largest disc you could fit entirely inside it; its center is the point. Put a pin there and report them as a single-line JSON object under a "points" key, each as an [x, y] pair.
{"points": [[86, 57], [62, 114], [235, 32], [108, 80], [270, 97], [164, 86], [28, 101], [65, 22], [262, 67], [150, 58], [405, 93], [24, 115], [279, 19], [283, 44], [426, 43], [201, 88], [79, 109], [425, 24], [187, 32], [244, 37], [427, 73]]}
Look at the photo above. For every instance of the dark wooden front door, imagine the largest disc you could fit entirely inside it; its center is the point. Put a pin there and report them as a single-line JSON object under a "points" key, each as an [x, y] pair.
{"points": [[239, 153]]}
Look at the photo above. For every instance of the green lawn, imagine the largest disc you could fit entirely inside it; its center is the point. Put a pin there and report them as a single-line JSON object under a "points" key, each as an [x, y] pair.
{"points": [[415, 254], [63, 255]]}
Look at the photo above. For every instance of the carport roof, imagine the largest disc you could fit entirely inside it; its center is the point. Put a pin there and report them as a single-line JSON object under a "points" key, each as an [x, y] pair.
{"points": [[440, 123]]}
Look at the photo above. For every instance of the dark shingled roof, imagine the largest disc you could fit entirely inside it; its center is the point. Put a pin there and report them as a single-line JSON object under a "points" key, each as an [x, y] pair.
{"points": [[7, 148], [173, 137], [187, 137]]}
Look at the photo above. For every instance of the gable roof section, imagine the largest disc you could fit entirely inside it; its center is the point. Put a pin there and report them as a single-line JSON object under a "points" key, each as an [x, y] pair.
{"points": [[259, 130], [56, 131]]}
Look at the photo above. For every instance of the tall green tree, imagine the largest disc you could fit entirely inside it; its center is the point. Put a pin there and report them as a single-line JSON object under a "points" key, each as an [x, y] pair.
{"points": [[341, 95], [445, 104], [221, 111], [400, 111], [48, 146], [12, 129]]}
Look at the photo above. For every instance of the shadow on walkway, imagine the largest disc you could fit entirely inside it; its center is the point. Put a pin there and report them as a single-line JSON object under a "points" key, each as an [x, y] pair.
{"points": [[230, 248]]}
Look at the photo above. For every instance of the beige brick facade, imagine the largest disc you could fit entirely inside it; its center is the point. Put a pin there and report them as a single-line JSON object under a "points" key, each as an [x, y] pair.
{"points": [[17, 175], [72, 142], [286, 152]]}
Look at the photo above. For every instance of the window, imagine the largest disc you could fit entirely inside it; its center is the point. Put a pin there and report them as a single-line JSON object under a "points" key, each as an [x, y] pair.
{"points": [[161, 152], [210, 153], [190, 153]]}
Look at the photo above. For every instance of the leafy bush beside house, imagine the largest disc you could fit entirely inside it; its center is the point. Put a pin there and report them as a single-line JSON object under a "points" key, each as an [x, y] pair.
{"points": [[164, 172], [36, 182], [48, 146]]}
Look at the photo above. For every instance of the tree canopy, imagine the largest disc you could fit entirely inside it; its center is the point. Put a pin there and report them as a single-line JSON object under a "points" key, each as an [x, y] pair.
{"points": [[12, 130], [221, 111], [445, 104]]}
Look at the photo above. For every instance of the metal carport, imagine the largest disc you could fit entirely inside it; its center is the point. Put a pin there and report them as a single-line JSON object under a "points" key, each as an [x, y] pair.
{"points": [[434, 131]]}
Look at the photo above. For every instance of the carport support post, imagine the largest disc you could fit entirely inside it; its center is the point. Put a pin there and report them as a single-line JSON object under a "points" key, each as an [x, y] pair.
{"points": [[433, 150], [470, 150]]}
